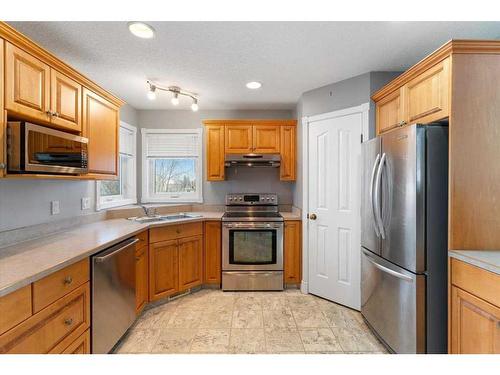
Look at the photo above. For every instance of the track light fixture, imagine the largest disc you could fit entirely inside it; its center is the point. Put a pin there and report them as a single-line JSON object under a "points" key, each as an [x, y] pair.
{"points": [[176, 91]]}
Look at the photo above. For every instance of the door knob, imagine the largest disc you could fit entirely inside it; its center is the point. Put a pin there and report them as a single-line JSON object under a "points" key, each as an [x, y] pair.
{"points": [[312, 216]]}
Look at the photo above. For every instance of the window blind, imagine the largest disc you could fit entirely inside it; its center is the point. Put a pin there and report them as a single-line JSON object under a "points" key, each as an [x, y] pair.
{"points": [[160, 145]]}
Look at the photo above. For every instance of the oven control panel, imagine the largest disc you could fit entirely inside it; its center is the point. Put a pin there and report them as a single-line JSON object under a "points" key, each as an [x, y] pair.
{"points": [[248, 199]]}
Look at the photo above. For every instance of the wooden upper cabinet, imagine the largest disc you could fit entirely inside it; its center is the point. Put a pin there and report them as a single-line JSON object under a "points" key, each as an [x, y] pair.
{"points": [[215, 152], [288, 148], [66, 99], [292, 252], [390, 112], [190, 262], [427, 95], [213, 252], [100, 124], [475, 324], [27, 84], [238, 139], [163, 269], [3, 143], [266, 139]]}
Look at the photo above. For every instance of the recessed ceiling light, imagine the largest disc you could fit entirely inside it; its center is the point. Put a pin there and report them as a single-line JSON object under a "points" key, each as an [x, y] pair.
{"points": [[141, 30], [254, 85]]}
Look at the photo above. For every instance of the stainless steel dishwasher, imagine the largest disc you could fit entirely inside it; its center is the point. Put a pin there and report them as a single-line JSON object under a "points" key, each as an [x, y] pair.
{"points": [[113, 294]]}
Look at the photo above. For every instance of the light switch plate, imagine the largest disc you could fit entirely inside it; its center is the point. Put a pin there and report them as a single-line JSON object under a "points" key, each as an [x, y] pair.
{"points": [[85, 203], [54, 208]]}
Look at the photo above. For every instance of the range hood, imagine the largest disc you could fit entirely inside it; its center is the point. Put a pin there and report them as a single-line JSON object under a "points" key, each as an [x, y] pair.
{"points": [[253, 160]]}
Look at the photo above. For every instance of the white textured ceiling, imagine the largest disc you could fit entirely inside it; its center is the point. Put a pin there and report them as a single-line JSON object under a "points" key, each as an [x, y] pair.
{"points": [[216, 59]]}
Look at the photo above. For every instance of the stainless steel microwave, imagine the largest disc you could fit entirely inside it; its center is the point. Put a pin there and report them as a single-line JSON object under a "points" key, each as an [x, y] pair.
{"points": [[36, 149]]}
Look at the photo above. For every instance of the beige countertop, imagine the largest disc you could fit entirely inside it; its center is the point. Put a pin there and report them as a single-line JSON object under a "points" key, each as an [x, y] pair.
{"points": [[293, 215], [488, 260], [26, 262]]}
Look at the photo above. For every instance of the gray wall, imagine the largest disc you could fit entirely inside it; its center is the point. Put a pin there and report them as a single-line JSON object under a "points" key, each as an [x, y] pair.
{"points": [[27, 202], [339, 95], [242, 180]]}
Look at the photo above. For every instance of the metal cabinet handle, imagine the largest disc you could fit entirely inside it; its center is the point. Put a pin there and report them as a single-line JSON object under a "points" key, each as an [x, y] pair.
{"points": [[68, 321], [402, 122], [56, 114], [312, 216], [48, 113], [178, 231], [68, 280]]}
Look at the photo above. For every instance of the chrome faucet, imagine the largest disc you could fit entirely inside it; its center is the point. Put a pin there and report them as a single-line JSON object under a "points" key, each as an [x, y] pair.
{"points": [[149, 211]]}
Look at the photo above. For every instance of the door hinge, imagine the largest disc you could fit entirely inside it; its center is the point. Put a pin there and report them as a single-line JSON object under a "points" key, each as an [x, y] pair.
{"points": [[361, 138]]}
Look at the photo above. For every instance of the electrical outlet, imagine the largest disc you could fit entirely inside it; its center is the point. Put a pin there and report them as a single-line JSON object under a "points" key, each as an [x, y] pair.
{"points": [[85, 203], [54, 208]]}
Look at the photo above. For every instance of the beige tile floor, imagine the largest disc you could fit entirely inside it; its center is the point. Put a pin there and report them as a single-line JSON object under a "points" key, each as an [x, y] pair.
{"points": [[212, 321]]}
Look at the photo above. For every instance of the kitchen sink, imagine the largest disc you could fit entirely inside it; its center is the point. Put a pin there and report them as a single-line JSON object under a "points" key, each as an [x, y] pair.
{"points": [[179, 216]]}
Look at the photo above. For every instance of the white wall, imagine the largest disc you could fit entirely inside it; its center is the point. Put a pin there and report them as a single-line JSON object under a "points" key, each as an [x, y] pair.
{"points": [[27, 202], [242, 180]]}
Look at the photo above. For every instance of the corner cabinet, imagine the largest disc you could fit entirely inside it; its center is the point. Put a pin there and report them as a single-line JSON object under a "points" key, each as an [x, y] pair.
{"points": [[36, 86], [101, 126], [224, 137]]}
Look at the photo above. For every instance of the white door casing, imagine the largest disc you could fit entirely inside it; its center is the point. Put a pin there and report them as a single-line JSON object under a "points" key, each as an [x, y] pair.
{"points": [[332, 191]]}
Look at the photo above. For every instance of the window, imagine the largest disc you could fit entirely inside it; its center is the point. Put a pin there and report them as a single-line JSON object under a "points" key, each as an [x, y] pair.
{"points": [[171, 166], [122, 191]]}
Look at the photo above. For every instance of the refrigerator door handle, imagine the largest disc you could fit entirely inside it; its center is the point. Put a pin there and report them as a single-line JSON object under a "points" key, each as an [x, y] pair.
{"points": [[377, 198], [372, 200], [385, 269]]}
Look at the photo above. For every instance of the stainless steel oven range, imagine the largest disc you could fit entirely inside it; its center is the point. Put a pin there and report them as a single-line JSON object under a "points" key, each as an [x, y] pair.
{"points": [[252, 243]]}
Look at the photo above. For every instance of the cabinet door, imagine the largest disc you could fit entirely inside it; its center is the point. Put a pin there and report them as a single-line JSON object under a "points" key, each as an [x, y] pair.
{"points": [[163, 269], [141, 279], [215, 152], [427, 96], [213, 255], [389, 112], [3, 142], [238, 139], [266, 139], [190, 262], [475, 324], [27, 84], [288, 149], [100, 125], [292, 252], [65, 99], [80, 346]]}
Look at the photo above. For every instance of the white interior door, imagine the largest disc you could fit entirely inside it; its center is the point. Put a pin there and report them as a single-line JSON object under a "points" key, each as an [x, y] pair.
{"points": [[334, 154]]}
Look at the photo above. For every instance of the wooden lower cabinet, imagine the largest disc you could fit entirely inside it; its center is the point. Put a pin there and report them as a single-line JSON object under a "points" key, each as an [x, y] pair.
{"points": [[212, 252], [54, 328], [80, 346], [15, 308], [190, 255], [475, 327], [141, 278], [292, 252], [474, 310], [163, 269]]}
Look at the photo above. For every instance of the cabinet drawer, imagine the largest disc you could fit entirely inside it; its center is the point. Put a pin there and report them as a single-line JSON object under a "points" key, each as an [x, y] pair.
{"points": [[173, 232], [14, 308], [143, 238], [80, 346], [56, 285], [481, 283], [52, 329]]}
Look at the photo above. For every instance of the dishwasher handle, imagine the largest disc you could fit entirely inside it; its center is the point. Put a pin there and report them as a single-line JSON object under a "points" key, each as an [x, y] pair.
{"points": [[125, 245]]}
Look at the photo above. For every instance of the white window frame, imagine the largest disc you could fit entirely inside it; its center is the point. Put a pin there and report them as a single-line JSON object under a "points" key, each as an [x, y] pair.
{"points": [[169, 197], [120, 200]]}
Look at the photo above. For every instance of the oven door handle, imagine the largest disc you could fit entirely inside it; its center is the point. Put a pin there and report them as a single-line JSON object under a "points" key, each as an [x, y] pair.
{"points": [[253, 226]]}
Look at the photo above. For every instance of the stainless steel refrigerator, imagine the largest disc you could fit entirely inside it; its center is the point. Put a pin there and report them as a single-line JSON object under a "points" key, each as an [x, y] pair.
{"points": [[404, 238]]}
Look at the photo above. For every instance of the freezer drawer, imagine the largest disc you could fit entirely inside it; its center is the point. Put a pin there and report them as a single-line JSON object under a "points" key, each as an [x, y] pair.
{"points": [[393, 303]]}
